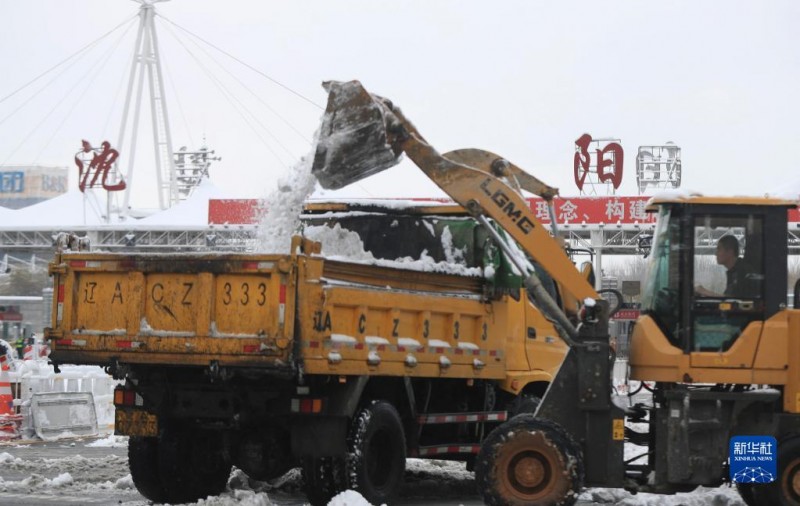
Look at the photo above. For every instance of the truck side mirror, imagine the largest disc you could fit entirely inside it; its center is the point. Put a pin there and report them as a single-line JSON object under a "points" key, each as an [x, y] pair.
{"points": [[587, 271]]}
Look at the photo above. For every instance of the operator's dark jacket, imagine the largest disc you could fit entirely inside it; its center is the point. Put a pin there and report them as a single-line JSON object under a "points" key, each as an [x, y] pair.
{"points": [[742, 281]]}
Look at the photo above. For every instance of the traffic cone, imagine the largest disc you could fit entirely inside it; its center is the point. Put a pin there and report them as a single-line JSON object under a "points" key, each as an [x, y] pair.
{"points": [[9, 420], [6, 397]]}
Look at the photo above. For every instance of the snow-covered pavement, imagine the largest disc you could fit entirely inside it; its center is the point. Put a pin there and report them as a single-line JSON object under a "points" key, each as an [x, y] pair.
{"points": [[95, 472]]}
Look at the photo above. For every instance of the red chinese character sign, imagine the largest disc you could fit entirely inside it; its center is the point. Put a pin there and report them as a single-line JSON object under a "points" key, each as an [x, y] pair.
{"points": [[94, 165], [602, 167]]}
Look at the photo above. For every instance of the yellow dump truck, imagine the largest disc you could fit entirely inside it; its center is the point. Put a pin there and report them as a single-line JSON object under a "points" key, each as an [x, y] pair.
{"points": [[343, 367], [263, 361]]}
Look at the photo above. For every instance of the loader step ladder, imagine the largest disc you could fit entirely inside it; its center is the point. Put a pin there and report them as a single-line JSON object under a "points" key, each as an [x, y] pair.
{"points": [[474, 417], [455, 448], [429, 451]]}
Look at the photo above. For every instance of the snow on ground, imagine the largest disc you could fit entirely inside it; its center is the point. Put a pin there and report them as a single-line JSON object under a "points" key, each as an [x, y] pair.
{"points": [[111, 441], [722, 496], [427, 482], [349, 498]]}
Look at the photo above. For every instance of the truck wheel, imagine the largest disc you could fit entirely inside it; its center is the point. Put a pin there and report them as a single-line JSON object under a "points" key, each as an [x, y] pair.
{"points": [[324, 477], [193, 464], [143, 463], [785, 490], [529, 461], [377, 453], [524, 403], [265, 455]]}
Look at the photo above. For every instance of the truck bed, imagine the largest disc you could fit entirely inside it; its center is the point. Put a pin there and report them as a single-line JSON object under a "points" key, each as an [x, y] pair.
{"points": [[238, 310]]}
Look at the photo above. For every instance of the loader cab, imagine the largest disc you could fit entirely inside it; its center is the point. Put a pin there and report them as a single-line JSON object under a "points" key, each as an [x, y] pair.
{"points": [[716, 266]]}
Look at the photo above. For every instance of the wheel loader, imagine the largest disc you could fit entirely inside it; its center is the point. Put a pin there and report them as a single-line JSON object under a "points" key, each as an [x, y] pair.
{"points": [[715, 340]]}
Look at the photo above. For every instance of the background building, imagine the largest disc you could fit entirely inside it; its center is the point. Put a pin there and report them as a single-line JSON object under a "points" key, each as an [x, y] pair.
{"points": [[22, 186]]}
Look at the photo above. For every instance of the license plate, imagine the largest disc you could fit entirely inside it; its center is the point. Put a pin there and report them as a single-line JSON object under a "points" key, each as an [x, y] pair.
{"points": [[135, 422]]}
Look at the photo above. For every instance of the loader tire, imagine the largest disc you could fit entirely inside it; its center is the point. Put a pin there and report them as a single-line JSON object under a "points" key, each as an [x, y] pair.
{"points": [[529, 461], [785, 490], [193, 464], [143, 463], [323, 478], [747, 493], [376, 459]]}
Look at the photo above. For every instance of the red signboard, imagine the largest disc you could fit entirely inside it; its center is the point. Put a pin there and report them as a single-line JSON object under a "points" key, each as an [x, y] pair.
{"points": [[10, 314], [626, 314], [233, 211], [594, 210], [609, 210]]}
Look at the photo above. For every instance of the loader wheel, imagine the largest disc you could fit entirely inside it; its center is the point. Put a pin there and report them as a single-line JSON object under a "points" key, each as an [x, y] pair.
{"points": [[143, 463], [746, 493], [529, 461], [193, 464], [323, 477], [376, 458], [785, 490]]}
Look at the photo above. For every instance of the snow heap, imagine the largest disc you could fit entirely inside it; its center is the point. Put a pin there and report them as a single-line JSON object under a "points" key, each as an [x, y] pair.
{"points": [[349, 498]]}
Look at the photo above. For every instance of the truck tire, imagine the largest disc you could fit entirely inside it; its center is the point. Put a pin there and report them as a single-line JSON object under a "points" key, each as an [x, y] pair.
{"points": [[265, 455], [193, 464], [323, 478], [376, 459], [785, 490], [524, 403], [529, 461], [143, 463]]}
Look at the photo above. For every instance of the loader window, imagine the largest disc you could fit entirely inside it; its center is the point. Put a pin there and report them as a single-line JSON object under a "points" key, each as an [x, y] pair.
{"points": [[728, 273], [660, 295]]}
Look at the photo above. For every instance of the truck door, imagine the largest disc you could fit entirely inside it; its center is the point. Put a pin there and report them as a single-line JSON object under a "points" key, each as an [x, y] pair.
{"points": [[544, 348]]}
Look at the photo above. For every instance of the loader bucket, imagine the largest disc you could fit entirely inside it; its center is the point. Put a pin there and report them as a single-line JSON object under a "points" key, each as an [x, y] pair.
{"points": [[353, 140]]}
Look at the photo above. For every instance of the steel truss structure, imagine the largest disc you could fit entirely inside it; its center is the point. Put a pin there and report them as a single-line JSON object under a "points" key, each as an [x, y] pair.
{"points": [[602, 239]]}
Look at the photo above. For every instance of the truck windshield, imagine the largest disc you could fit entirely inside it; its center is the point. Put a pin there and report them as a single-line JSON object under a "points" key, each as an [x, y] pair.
{"points": [[660, 293]]}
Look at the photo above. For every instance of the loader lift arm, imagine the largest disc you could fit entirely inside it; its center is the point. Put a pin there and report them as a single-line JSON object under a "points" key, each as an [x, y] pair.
{"points": [[362, 134]]}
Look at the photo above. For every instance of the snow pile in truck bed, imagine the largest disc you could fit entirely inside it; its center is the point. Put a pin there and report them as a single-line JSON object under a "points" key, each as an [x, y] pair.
{"points": [[339, 243], [345, 245]]}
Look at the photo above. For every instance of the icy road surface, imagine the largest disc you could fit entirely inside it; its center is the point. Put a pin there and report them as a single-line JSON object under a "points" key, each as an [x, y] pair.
{"points": [[95, 472]]}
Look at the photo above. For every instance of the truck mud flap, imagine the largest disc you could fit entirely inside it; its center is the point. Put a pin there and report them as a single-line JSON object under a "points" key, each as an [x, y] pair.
{"points": [[58, 415]]}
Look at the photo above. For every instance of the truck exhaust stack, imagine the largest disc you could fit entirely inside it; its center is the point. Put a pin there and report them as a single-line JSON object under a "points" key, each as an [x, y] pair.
{"points": [[354, 140]]}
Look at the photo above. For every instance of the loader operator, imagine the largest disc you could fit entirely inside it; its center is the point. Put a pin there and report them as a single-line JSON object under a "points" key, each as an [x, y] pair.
{"points": [[741, 278]]}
